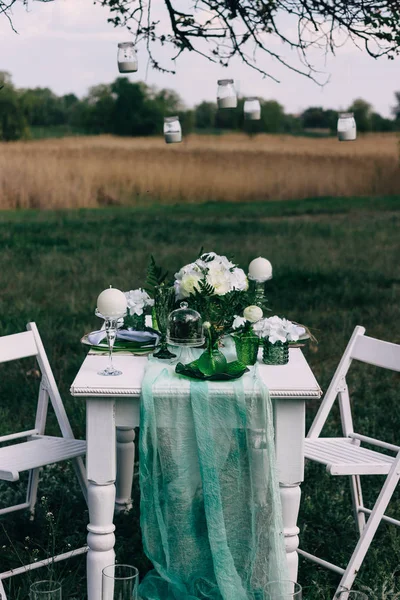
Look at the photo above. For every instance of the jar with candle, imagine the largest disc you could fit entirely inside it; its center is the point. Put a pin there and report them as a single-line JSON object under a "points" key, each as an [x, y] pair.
{"points": [[252, 109], [226, 94], [127, 58], [346, 127], [172, 130]]}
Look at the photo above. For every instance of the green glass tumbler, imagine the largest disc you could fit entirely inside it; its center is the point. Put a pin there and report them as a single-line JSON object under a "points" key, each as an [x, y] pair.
{"points": [[275, 354], [246, 347]]}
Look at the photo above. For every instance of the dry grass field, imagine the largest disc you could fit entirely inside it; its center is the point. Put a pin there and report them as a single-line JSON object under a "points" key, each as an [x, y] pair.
{"points": [[96, 171]]}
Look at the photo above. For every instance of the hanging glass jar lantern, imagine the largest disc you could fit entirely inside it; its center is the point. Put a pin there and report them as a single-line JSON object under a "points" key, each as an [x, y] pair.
{"points": [[185, 327], [226, 94], [252, 109], [346, 128], [172, 130], [127, 58]]}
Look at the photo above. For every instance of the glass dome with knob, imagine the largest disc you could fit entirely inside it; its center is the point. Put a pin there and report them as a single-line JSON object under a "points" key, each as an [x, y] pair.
{"points": [[185, 327]]}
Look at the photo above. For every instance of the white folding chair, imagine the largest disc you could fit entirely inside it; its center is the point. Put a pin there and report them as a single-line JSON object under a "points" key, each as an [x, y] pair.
{"points": [[39, 449], [345, 456]]}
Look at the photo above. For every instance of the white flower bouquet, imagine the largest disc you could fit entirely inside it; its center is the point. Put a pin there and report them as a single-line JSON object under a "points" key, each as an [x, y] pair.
{"points": [[274, 329], [139, 304], [211, 274]]}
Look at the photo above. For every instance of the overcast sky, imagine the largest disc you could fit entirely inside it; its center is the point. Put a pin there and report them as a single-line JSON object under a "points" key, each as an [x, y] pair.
{"points": [[68, 46]]}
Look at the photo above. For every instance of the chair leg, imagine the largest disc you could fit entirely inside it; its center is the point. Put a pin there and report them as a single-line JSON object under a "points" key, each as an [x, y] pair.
{"points": [[2, 591], [31, 493], [356, 494], [370, 528]]}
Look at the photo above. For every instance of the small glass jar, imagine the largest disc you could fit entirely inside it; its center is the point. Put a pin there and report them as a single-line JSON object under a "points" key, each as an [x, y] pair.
{"points": [[252, 109], [346, 127], [246, 347], [185, 327], [275, 354], [172, 130], [226, 94], [127, 58]]}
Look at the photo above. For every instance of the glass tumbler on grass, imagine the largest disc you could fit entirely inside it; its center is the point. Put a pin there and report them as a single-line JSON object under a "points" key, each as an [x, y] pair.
{"points": [[45, 590], [352, 595], [120, 582], [283, 590]]}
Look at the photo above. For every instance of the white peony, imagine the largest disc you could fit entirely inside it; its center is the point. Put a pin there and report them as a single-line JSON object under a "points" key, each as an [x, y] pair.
{"points": [[219, 278], [239, 280], [187, 280], [137, 301]]}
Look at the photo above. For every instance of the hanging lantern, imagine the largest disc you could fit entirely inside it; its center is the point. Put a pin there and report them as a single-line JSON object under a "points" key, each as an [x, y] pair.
{"points": [[226, 94], [172, 130], [346, 128], [252, 109], [127, 58]]}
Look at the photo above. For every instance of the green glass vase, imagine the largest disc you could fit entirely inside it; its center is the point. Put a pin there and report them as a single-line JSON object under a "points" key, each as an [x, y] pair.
{"points": [[275, 354], [246, 347]]}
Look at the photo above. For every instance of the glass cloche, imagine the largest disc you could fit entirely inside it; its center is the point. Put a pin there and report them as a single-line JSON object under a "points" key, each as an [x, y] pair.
{"points": [[185, 327]]}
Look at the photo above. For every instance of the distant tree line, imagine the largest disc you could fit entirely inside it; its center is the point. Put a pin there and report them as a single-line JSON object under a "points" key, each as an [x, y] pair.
{"points": [[136, 109]]}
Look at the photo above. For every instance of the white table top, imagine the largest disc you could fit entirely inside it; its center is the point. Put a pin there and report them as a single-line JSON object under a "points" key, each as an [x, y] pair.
{"points": [[294, 379]]}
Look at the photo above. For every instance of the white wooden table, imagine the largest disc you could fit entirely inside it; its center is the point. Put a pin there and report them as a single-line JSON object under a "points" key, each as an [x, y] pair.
{"points": [[112, 412]]}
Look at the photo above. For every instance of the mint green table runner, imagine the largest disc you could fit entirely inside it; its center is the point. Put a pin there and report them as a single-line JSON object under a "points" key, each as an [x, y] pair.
{"points": [[210, 507]]}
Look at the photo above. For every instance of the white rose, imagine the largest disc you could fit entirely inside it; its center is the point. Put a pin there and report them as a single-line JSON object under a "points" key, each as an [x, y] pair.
{"points": [[189, 283], [253, 313]]}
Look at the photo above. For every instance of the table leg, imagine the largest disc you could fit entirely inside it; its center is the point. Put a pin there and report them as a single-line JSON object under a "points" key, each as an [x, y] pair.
{"points": [[101, 467], [125, 465], [289, 423]]}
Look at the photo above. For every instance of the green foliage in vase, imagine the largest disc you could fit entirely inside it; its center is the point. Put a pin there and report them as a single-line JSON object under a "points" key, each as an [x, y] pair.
{"points": [[155, 276]]}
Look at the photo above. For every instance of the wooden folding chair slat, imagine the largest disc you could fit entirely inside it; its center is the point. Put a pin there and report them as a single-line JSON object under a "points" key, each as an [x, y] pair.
{"points": [[346, 458], [345, 455], [47, 450]]}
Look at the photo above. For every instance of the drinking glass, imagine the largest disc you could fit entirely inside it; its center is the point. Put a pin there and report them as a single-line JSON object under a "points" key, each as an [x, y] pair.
{"points": [[283, 590], [164, 301], [46, 589], [352, 595], [120, 582]]}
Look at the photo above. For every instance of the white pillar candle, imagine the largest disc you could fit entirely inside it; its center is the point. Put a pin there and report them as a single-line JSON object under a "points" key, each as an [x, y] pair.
{"points": [[260, 269], [112, 303]]}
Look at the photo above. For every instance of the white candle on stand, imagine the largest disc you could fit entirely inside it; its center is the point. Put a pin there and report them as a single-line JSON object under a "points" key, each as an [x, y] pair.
{"points": [[112, 303], [260, 269]]}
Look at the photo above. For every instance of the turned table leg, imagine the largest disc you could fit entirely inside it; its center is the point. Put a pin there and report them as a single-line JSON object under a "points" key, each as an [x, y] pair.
{"points": [[101, 466], [289, 423], [125, 464]]}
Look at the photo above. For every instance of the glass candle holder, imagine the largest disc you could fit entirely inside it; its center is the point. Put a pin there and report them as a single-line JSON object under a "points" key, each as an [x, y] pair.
{"points": [[46, 589], [111, 326], [164, 301], [246, 347], [346, 127], [283, 590], [275, 354], [226, 94], [120, 582], [252, 109], [172, 130], [127, 58]]}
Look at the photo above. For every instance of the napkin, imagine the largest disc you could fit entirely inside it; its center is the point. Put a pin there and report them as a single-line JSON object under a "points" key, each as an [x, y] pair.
{"points": [[150, 337]]}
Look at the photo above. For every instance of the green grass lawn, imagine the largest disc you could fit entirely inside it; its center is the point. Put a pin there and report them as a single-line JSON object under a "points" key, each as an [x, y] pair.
{"points": [[336, 265]]}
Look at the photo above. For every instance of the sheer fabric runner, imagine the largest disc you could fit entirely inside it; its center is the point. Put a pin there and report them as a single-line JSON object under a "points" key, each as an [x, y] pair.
{"points": [[211, 516]]}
